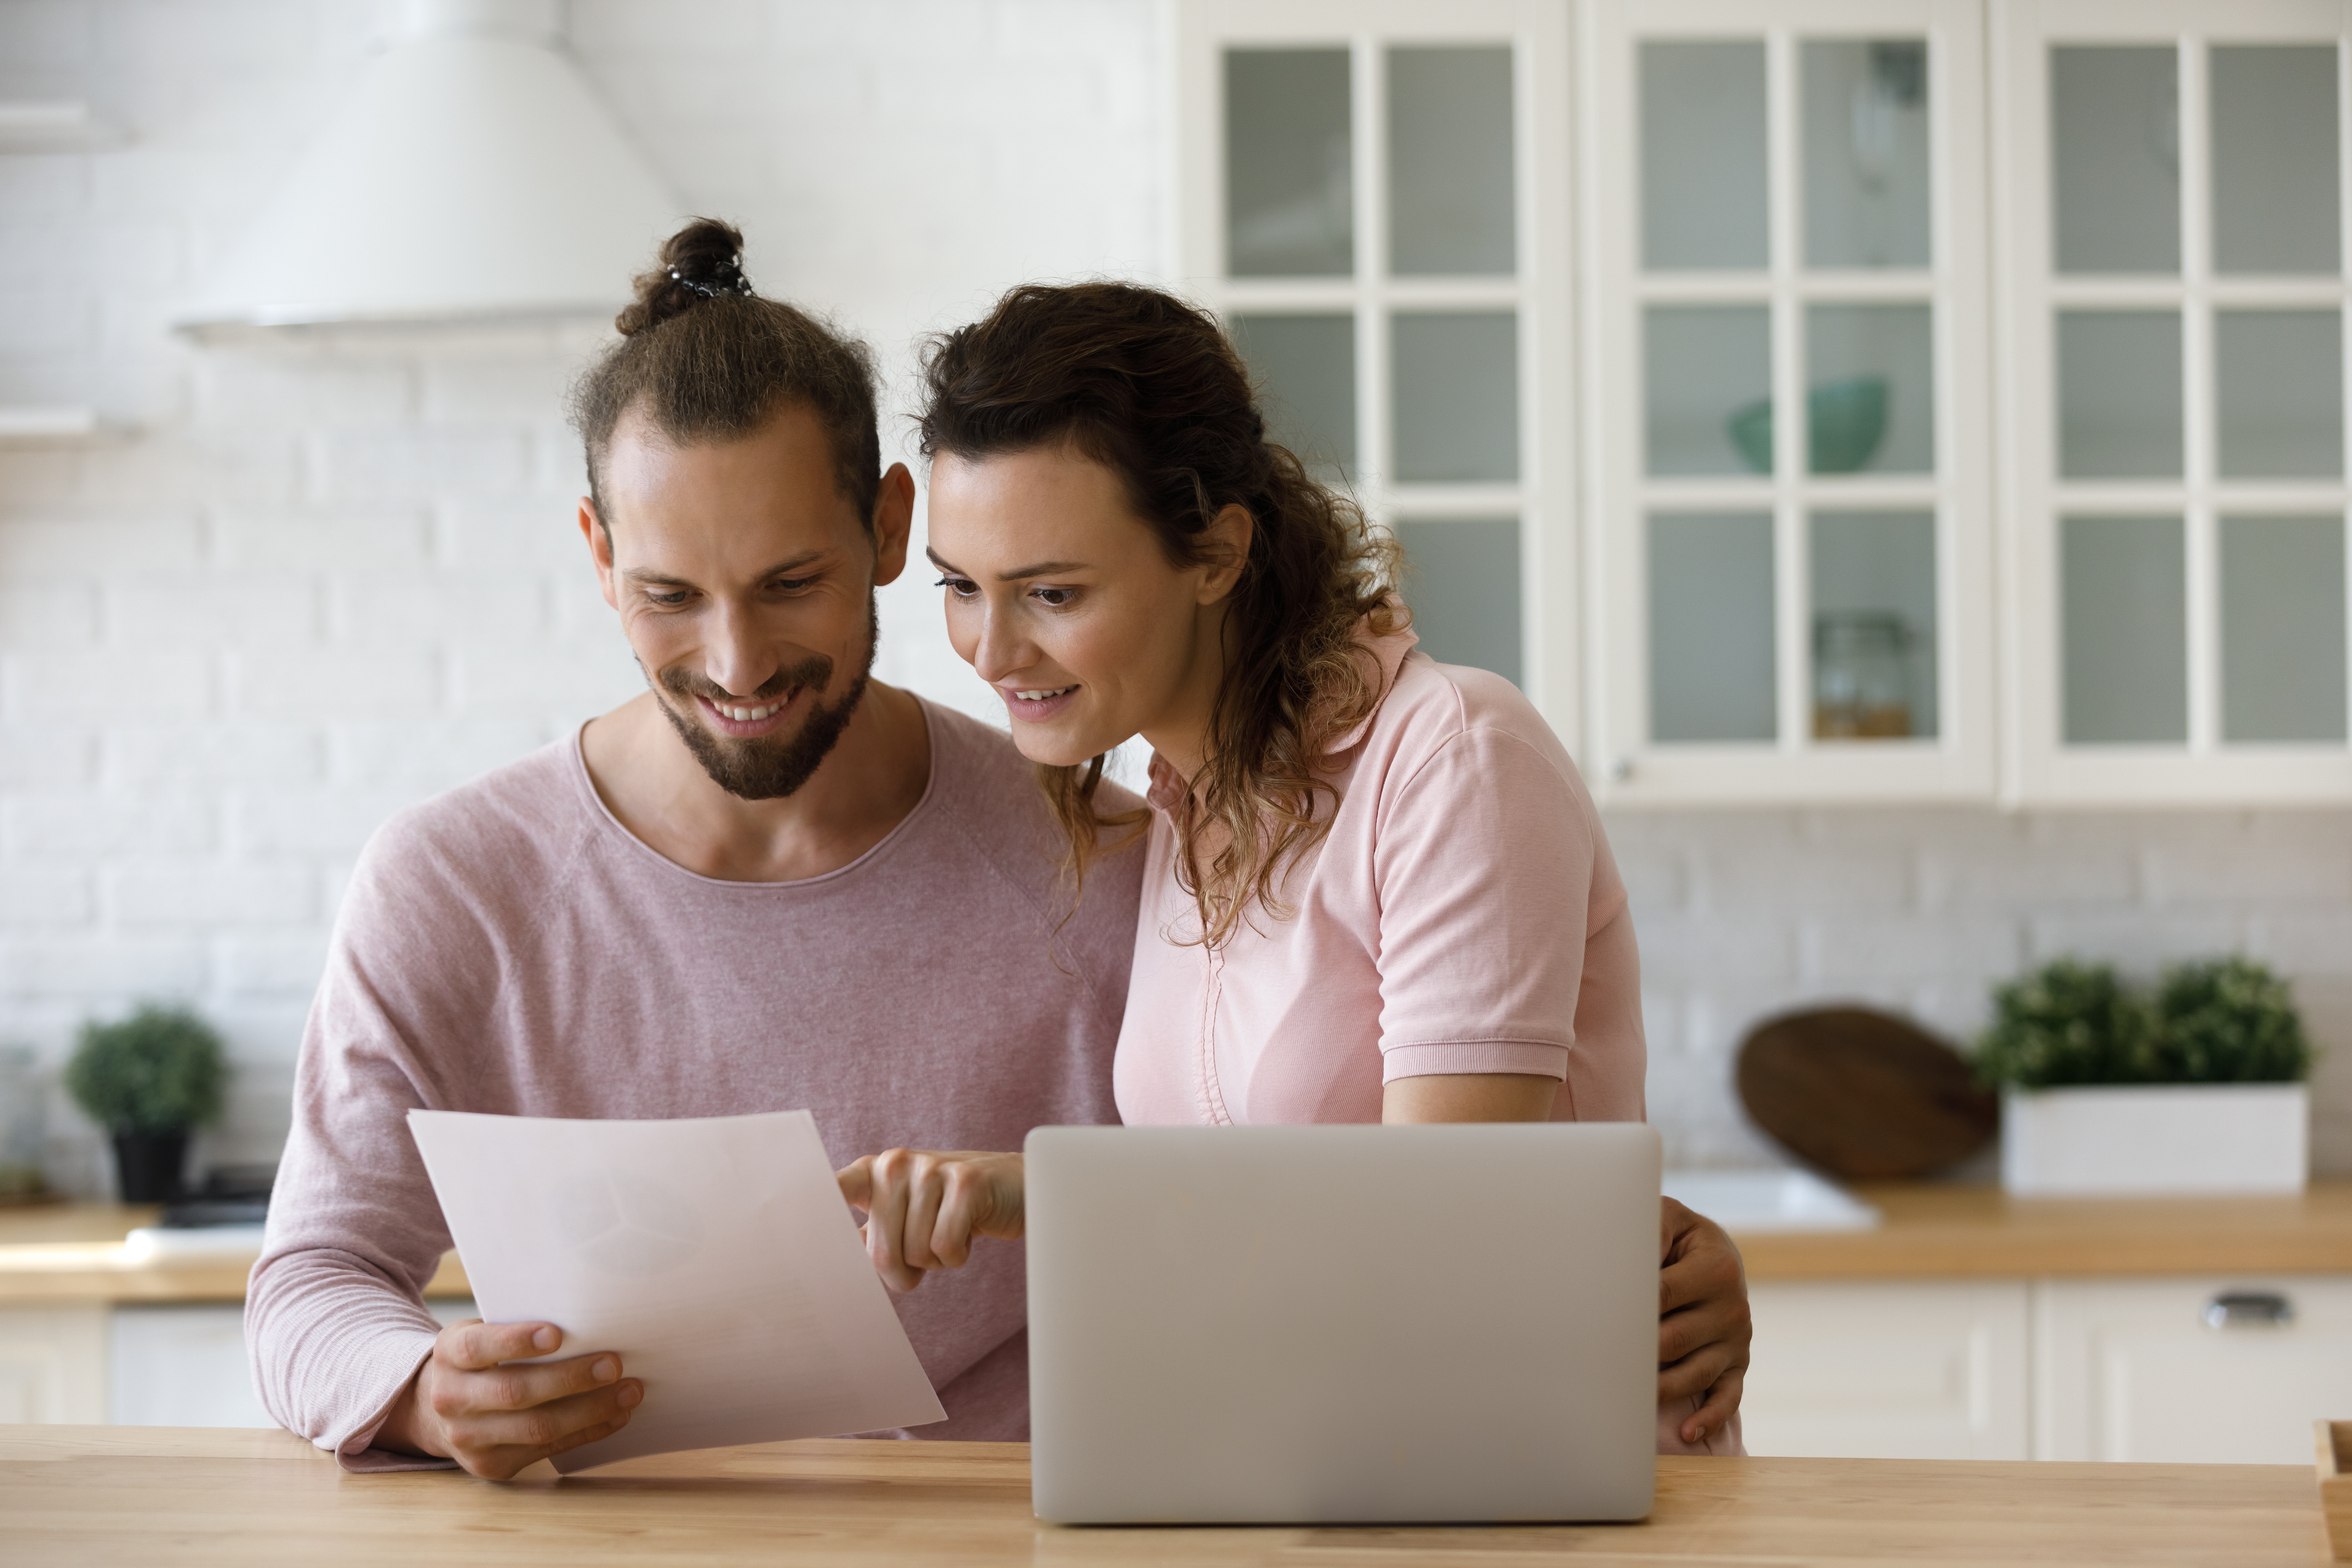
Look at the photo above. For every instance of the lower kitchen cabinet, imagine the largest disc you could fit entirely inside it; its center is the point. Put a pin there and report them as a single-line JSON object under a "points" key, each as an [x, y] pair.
{"points": [[1935, 1370], [53, 1364], [135, 1364], [2195, 1371], [182, 1365], [2208, 1370]]}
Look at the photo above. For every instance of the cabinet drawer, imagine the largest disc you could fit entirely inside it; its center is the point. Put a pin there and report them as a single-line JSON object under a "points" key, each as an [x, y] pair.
{"points": [[1907, 1371], [2133, 1370]]}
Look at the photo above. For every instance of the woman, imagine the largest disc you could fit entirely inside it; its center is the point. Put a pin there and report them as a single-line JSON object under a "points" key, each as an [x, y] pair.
{"points": [[1375, 889]]}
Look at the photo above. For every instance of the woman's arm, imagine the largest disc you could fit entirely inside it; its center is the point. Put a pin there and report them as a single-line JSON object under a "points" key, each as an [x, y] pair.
{"points": [[1468, 1096]]}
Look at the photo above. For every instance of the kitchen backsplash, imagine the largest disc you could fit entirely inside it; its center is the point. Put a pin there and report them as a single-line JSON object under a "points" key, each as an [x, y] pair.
{"points": [[317, 580]]}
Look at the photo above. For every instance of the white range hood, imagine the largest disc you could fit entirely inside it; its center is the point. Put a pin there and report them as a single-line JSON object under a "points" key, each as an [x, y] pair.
{"points": [[472, 176]]}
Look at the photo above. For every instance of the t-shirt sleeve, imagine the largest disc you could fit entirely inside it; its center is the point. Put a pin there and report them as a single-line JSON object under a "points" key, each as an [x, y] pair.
{"points": [[1484, 862], [335, 1318]]}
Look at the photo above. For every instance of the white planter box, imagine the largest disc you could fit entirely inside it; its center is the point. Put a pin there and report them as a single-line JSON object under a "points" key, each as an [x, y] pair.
{"points": [[2156, 1138]]}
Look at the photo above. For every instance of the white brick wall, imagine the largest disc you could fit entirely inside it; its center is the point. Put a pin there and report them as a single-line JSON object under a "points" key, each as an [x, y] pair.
{"points": [[327, 578]]}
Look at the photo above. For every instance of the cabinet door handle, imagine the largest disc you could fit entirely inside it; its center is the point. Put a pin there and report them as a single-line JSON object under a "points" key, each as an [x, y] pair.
{"points": [[2249, 1309]]}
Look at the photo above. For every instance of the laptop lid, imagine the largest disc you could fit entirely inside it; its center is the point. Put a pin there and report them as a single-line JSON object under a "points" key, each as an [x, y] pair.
{"points": [[1342, 1323]]}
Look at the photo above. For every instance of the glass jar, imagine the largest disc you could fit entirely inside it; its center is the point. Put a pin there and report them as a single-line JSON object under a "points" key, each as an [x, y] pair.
{"points": [[23, 1126], [1861, 677]]}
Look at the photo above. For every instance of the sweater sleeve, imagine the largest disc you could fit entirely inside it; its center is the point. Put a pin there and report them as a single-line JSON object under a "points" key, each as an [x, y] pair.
{"points": [[335, 1318]]}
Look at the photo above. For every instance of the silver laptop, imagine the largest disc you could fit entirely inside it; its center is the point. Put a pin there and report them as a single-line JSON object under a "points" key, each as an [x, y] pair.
{"points": [[1339, 1324]]}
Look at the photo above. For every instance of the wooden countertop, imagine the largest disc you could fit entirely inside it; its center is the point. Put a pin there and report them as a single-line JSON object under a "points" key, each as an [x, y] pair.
{"points": [[1934, 1232], [146, 1495], [61, 1254], [73, 1252]]}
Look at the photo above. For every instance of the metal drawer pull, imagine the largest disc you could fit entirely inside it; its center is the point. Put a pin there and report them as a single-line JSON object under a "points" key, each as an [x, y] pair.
{"points": [[2249, 1309]]}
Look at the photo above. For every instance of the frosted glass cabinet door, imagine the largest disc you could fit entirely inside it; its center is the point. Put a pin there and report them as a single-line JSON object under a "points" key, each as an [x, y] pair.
{"points": [[1875, 624], [1866, 194], [2175, 272], [1711, 643], [1289, 197], [2114, 132], [2282, 652], [2119, 414], [1305, 366], [1704, 190], [1872, 407], [2275, 199], [2124, 593], [1457, 396], [2278, 394], [1450, 193], [1707, 389], [1462, 581]]}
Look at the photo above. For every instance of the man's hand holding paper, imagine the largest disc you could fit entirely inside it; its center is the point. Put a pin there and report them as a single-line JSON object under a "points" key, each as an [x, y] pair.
{"points": [[470, 1404], [714, 1254]]}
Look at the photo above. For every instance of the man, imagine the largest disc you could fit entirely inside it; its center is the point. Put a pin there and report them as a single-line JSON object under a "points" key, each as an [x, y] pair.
{"points": [[767, 883]]}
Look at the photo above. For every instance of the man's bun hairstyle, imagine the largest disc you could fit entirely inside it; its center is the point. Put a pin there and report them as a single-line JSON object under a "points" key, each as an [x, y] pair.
{"points": [[706, 359]]}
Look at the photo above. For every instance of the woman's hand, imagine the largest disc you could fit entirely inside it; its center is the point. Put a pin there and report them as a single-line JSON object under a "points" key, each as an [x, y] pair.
{"points": [[1702, 1322], [923, 1206]]}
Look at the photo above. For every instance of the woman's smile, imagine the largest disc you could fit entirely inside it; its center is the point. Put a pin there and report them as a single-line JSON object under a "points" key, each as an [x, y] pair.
{"points": [[1033, 704]]}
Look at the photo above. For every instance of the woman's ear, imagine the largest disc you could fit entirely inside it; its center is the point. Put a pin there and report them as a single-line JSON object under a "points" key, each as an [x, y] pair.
{"points": [[1225, 550]]}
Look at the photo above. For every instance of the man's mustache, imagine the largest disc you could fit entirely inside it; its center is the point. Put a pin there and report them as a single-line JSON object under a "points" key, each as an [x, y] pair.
{"points": [[812, 672]]}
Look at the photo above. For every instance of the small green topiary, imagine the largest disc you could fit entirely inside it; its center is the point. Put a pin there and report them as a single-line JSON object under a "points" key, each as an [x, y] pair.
{"points": [[2071, 1025], [161, 1069], [2229, 1020], [2067, 1023]]}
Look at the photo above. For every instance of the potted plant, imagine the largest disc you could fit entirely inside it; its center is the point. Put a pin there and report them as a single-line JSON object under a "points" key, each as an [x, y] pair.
{"points": [[149, 1080], [2197, 1089]]}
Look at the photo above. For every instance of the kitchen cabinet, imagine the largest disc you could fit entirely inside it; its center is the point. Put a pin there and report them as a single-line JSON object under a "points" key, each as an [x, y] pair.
{"points": [[1969, 1322], [1936, 400], [2172, 280], [1912, 1370], [1788, 532], [53, 1363], [2222, 1369], [1375, 198], [184, 1363]]}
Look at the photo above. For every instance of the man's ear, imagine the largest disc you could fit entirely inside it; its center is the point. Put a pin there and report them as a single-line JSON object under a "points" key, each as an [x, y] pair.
{"points": [[894, 521], [1225, 546], [600, 548]]}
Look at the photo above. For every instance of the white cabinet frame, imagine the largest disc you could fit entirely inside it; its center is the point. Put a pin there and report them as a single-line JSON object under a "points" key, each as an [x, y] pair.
{"points": [[1541, 292], [2039, 767], [1958, 763]]}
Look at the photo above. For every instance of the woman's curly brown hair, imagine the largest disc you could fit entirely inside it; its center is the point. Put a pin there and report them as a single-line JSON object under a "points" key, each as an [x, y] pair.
{"points": [[1150, 388]]}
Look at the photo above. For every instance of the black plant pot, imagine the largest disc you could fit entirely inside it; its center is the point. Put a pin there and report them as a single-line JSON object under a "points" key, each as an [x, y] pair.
{"points": [[149, 1164]]}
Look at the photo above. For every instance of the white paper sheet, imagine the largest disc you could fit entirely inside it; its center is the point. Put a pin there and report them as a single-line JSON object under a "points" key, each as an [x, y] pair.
{"points": [[715, 1255]]}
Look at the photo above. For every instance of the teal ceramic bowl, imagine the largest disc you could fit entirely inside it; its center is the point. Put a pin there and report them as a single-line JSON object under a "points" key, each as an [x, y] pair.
{"points": [[1848, 419]]}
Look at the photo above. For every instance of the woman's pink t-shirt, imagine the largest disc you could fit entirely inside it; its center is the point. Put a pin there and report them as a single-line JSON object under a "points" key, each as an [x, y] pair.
{"points": [[1462, 915]]}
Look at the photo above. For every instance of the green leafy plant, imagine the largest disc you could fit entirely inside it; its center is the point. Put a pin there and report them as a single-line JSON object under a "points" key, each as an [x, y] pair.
{"points": [[2066, 1023], [2071, 1025], [2229, 1020], [161, 1069]]}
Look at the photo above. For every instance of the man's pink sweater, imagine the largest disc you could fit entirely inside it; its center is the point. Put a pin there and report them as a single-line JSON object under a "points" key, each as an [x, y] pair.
{"points": [[509, 947]]}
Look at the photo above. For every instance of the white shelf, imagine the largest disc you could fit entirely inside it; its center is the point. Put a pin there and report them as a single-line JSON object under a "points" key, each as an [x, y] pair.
{"points": [[26, 426], [59, 127]]}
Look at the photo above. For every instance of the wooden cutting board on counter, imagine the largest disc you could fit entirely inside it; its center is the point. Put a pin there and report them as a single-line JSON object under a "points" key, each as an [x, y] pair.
{"points": [[1864, 1095]]}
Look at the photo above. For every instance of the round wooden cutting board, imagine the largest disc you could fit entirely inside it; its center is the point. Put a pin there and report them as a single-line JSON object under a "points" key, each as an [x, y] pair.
{"points": [[1864, 1095]]}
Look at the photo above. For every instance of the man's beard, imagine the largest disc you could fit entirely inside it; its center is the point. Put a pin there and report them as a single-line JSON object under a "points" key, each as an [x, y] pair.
{"points": [[773, 766]]}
